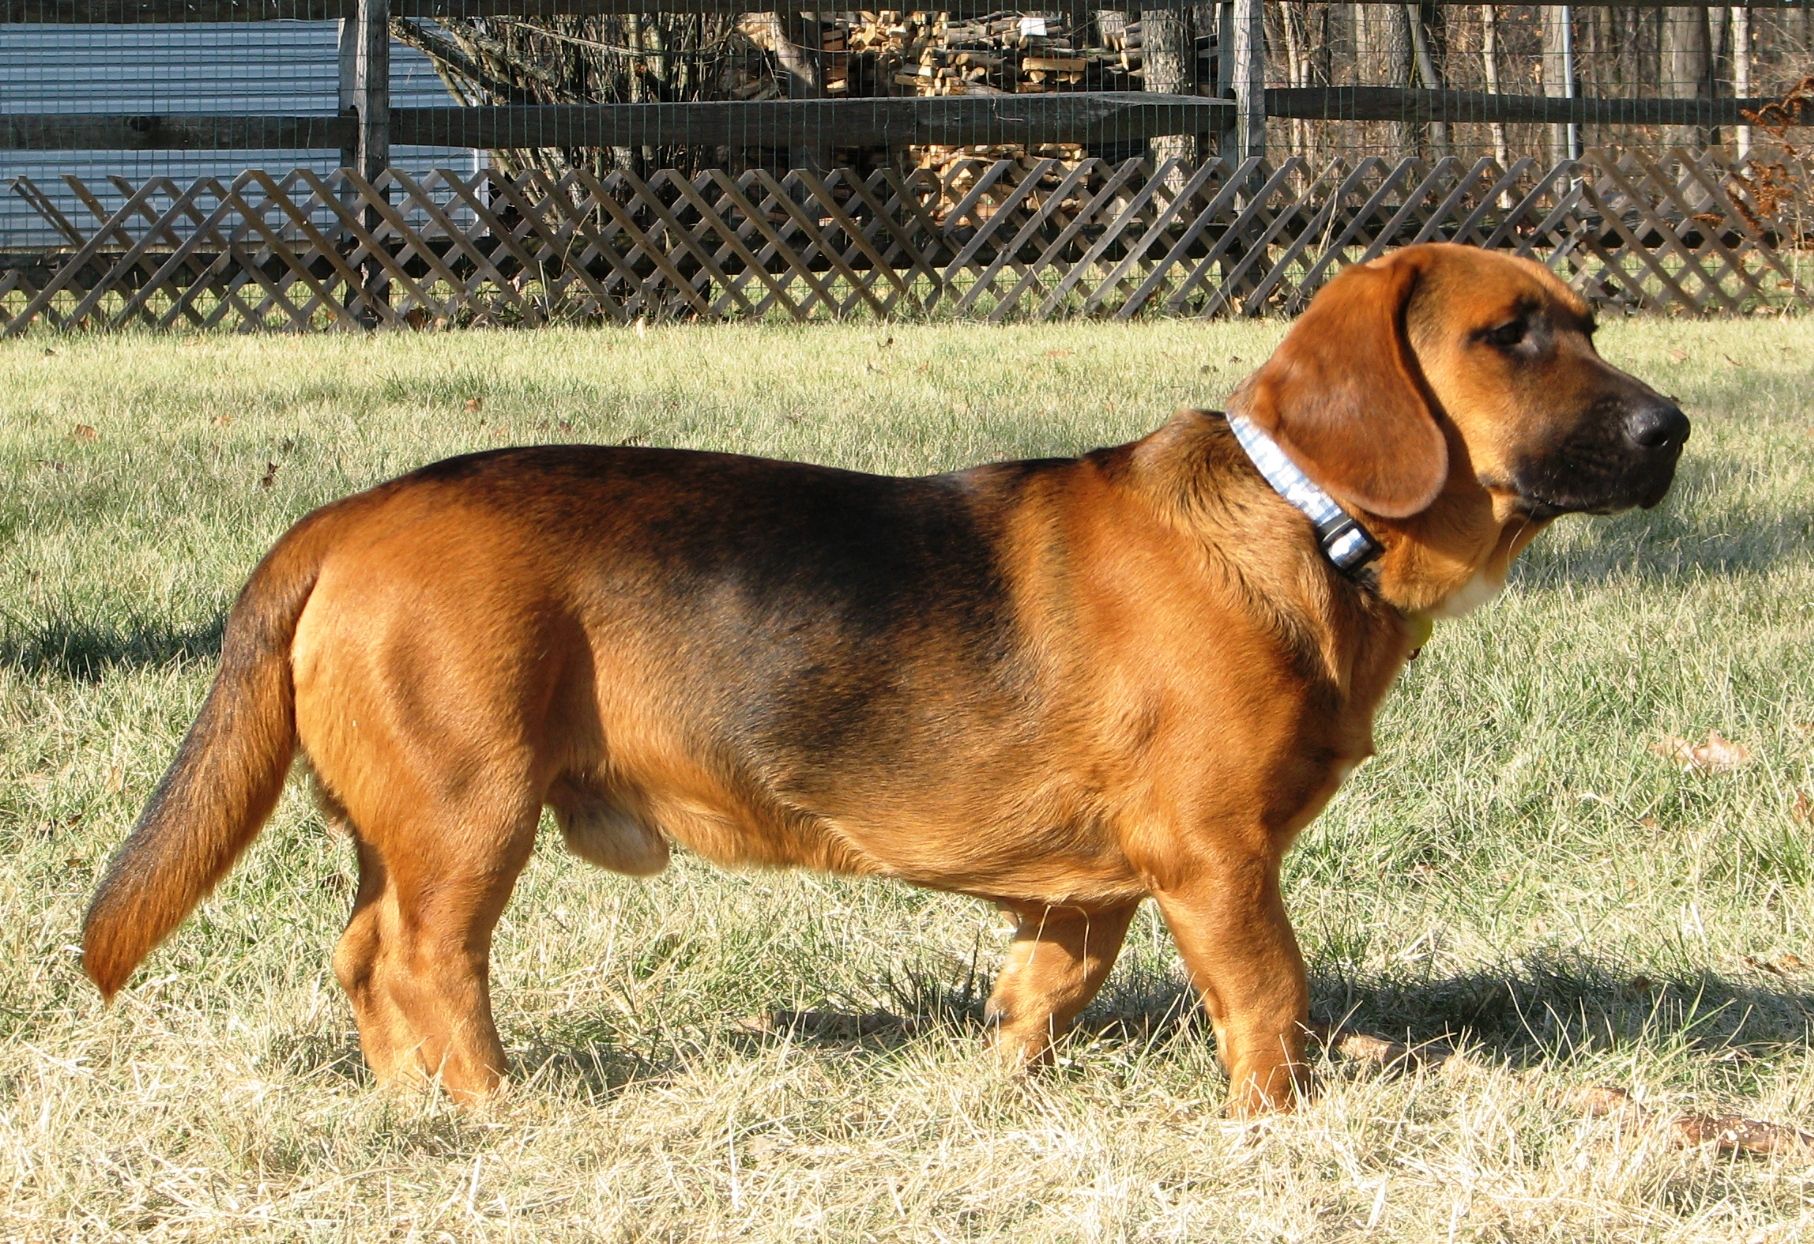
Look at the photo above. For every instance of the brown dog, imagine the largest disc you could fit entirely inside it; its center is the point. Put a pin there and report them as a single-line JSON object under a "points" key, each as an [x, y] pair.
{"points": [[1059, 685]]}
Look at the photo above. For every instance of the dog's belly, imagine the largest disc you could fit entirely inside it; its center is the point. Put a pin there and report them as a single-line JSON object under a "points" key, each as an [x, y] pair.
{"points": [[925, 839]]}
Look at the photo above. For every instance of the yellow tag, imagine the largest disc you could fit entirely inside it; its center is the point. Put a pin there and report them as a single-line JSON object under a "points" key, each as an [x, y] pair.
{"points": [[1419, 626]]}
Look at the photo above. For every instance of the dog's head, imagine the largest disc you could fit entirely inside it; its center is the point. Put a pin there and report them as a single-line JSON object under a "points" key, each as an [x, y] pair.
{"points": [[1456, 395]]}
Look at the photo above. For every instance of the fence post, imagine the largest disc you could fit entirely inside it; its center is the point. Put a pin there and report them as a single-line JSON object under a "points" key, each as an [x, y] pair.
{"points": [[365, 94]]}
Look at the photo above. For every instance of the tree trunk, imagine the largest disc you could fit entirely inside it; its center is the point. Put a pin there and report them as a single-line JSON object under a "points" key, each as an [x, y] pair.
{"points": [[1489, 60], [1558, 75], [1426, 49], [1292, 35], [1741, 70], [1168, 45], [794, 40], [1385, 60], [1687, 68], [1111, 25], [1340, 51]]}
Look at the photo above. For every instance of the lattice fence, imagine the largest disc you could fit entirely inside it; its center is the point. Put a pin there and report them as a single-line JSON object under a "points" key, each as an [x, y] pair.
{"points": [[984, 239]]}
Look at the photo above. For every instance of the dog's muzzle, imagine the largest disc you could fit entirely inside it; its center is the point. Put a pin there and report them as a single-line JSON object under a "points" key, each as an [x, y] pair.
{"points": [[1624, 456]]}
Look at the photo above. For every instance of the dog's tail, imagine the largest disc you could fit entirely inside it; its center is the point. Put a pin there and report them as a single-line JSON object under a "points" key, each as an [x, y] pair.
{"points": [[226, 777]]}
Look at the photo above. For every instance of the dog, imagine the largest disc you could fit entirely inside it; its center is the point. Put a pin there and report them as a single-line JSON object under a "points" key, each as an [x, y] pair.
{"points": [[1062, 685]]}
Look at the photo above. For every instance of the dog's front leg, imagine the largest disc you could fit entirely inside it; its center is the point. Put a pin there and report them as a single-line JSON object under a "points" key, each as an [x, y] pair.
{"points": [[1228, 918]]}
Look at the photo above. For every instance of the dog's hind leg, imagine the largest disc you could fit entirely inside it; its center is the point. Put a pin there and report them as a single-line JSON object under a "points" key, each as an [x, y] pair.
{"points": [[415, 957], [384, 1034], [1058, 961]]}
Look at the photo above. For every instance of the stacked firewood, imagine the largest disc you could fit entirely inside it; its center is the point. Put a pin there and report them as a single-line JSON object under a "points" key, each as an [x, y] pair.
{"points": [[896, 53], [926, 53], [921, 52], [959, 170]]}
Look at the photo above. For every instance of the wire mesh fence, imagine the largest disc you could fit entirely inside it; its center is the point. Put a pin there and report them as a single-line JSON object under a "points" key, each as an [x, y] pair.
{"points": [[159, 157]]}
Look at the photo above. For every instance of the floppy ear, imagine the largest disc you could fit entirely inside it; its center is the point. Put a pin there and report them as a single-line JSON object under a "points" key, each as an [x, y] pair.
{"points": [[1341, 395]]}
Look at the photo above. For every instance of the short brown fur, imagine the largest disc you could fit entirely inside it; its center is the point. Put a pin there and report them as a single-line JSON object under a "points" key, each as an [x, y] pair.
{"points": [[1064, 686]]}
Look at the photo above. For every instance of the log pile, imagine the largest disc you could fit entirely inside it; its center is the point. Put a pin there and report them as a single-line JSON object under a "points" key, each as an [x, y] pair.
{"points": [[896, 53], [922, 52], [926, 53], [959, 168]]}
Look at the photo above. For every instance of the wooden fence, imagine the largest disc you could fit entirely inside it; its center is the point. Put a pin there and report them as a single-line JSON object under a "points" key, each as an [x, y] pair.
{"points": [[988, 239], [994, 238]]}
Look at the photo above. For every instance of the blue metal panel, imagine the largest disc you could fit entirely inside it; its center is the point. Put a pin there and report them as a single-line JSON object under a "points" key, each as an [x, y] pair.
{"points": [[256, 67]]}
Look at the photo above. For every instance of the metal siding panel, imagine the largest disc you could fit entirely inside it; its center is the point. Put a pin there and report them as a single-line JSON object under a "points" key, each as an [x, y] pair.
{"points": [[289, 67], [279, 67]]}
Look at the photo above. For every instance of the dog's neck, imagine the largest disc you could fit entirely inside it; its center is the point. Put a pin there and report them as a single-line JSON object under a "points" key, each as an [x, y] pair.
{"points": [[1441, 563], [1455, 555], [1194, 469]]}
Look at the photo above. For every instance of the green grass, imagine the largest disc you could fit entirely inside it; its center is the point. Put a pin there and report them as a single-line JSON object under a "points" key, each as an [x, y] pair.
{"points": [[1516, 870]]}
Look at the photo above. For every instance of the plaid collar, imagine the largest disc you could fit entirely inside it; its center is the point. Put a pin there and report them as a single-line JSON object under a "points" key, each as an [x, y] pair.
{"points": [[1344, 541]]}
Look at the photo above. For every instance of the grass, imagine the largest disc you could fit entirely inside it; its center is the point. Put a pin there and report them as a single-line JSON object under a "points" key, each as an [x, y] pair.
{"points": [[1517, 871]]}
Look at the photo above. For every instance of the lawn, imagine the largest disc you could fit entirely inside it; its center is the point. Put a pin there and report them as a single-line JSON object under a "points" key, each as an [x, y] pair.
{"points": [[1520, 874]]}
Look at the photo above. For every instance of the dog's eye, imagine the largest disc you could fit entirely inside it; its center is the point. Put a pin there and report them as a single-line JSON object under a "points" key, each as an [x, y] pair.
{"points": [[1507, 334]]}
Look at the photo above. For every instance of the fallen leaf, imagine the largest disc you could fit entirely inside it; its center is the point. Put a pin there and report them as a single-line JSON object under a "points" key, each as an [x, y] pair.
{"points": [[82, 432], [222, 421], [269, 477], [116, 778], [1803, 808], [474, 405], [1728, 1133], [1678, 356], [1604, 1099], [1789, 962], [1717, 754], [1058, 354], [1366, 1047], [1731, 1134]]}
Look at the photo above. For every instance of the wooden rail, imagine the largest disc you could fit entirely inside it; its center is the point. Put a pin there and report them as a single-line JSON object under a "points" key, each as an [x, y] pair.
{"points": [[183, 132], [1392, 103], [1083, 117], [956, 120]]}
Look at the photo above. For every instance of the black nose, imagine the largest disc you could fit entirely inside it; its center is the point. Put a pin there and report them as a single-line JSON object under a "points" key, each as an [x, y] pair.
{"points": [[1657, 424]]}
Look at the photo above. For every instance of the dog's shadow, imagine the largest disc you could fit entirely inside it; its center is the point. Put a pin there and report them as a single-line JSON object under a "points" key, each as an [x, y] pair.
{"points": [[1544, 1013], [1541, 1015], [88, 652]]}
